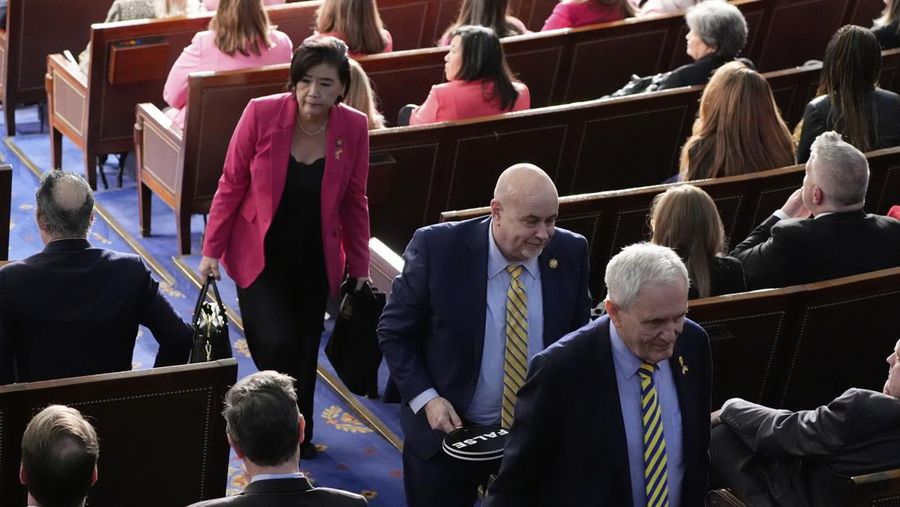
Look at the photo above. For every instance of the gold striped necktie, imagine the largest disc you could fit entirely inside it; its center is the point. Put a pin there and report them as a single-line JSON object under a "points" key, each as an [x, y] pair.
{"points": [[515, 361], [656, 479]]}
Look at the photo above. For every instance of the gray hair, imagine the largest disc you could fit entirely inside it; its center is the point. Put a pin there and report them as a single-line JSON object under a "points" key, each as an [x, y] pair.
{"points": [[262, 417], [840, 169], [719, 25], [638, 265], [65, 204]]}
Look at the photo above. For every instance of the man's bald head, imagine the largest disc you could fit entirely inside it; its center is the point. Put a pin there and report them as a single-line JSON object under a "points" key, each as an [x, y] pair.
{"points": [[837, 176], [523, 212], [65, 205]]}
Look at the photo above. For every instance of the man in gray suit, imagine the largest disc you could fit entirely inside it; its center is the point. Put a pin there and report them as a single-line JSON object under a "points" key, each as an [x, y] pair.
{"points": [[778, 457], [265, 429]]}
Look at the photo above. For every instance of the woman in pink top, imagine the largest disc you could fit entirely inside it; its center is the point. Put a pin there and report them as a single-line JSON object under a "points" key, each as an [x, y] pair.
{"points": [[571, 14], [479, 81], [357, 23], [239, 36], [489, 13]]}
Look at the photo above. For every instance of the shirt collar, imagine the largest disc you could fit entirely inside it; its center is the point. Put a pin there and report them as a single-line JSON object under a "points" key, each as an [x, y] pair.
{"points": [[266, 477], [497, 262], [626, 361]]}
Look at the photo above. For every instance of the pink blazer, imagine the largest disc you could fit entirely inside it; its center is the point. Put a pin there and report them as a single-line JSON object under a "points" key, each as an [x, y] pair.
{"points": [[572, 14], [203, 55], [894, 212], [460, 100], [212, 5], [253, 180]]}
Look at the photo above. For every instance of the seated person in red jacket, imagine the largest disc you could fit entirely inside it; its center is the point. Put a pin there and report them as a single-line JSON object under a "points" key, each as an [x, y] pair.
{"points": [[479, 82], [575, 13]]}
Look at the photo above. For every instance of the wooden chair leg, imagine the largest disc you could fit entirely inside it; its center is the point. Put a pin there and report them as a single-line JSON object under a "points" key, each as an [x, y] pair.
{"points": [[184, 231], [101, 163], [55, 149], [123, 156], [145, 206], [10, 117]]}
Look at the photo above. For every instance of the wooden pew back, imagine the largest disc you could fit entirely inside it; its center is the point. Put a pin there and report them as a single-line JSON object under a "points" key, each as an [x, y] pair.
{"points": [[35, 29], [787, 348], [153, 425]]}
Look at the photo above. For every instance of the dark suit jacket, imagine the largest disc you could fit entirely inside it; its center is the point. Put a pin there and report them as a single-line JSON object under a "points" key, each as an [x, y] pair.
{"points": [[74, 310], [432, 329], [694, 73], [780, 253], [726, 276], [857, 433], [567, 445], [882, 110], [286, 493], [887, 35]]}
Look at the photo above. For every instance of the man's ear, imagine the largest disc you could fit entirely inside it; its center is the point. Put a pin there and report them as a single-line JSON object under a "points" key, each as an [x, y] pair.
{"points": [[237, 450], [23, 477], [496, 209], [612, 310], [94, 476], [301, 425], [818, 195]]}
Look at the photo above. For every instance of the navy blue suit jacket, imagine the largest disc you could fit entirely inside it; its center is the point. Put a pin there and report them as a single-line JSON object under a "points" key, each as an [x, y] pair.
{"points": [[74, 310], [432, 329], [567, 444]]}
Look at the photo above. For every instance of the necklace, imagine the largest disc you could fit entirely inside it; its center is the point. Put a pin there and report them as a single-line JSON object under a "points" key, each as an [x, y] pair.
{"points": [[311, 134]]}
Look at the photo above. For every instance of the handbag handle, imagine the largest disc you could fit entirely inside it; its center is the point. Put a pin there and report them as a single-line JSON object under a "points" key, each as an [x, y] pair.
{"points": [[210, 282]]}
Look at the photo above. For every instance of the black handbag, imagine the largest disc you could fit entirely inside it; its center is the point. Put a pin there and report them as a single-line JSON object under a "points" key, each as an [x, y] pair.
{"points": [[210, 327], [353, 347]]}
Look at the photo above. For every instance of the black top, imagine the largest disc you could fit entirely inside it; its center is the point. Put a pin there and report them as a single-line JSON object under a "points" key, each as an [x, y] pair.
{"points": [[887, 36], [296, 228], [694, 73], [726, 276], [882, 109]]}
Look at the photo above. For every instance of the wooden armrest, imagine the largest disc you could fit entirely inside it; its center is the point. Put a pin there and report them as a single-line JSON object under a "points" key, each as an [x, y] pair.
{"points": [[68, 71], [384, 265], [149, 113]]}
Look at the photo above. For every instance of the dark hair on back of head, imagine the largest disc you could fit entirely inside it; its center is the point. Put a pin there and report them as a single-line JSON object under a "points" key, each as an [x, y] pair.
{"points": [[320, 50], [483, 59], [850, 71]]}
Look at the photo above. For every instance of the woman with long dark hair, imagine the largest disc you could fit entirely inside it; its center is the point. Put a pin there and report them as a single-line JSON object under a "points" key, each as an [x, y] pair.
{"points": [[739, 129], [290, 216], [479, 82], [490, 13], [849, 101]]}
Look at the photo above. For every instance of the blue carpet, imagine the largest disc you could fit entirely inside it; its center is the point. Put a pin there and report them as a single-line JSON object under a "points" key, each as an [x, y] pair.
{"points": [[353, 457]]}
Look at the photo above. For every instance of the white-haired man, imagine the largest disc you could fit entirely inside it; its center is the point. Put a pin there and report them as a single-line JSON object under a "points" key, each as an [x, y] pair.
{"points": [[822, 231], [615, 413]]}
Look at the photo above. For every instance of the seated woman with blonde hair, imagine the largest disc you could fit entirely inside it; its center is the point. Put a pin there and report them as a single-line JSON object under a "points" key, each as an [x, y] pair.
{"points": [[685, 219], [357, 23], [479, 82], [361, 97], [240, 36], [739, 129]]}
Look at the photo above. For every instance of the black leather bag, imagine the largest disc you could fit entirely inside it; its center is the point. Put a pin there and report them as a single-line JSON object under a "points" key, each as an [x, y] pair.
{"points": [[353, 346], [210, 327]]}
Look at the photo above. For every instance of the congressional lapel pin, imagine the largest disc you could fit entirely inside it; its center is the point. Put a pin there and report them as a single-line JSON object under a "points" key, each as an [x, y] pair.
{"points": [[553, 263], [339, 150], [684, 368]]}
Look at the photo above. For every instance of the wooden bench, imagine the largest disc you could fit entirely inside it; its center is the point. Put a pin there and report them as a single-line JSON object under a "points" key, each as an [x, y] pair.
{"points": [[5, 209], [154, 425], [35, 29], [769, 345], [877, 489], [384, 265], [183, 167], [129, 64]]}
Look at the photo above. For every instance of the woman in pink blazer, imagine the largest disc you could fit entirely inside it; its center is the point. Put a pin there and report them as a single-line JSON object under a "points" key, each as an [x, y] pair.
{"points": [[291, 212], [239, 36], [479, 82], [575, 13]]}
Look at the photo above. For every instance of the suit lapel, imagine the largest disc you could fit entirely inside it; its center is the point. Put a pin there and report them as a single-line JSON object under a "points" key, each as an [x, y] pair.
{"points": [[336, 155], [551, 288], [616, 441], [473, 270]]}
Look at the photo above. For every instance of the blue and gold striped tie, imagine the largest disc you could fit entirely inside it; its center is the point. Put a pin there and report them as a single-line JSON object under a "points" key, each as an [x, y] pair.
{"points": [[515, 362], [656, 479]]}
